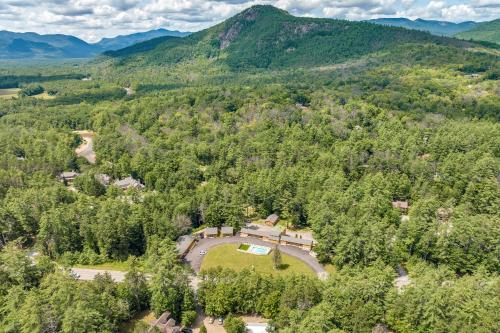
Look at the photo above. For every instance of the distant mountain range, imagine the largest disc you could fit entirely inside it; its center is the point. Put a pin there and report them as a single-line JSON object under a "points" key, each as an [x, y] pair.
{"points": [[440, 28], [478, 31], [15, 45]]}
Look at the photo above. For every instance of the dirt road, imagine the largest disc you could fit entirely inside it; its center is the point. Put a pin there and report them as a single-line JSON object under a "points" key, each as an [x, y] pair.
{"points": [[86, 149]]}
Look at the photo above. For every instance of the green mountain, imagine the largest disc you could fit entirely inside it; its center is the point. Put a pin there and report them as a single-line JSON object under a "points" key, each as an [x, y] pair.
{"points": [[485, 31], [267, 37], [440, 28]]}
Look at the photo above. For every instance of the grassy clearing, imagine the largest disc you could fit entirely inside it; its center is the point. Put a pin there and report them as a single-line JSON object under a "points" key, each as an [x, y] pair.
{"points": [[227, 256], [139, 323], [111, 266], [44, 96], [9, 93]]}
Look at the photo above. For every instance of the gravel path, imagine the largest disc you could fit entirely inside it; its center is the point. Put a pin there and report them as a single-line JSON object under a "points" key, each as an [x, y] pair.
{"points": [[87, 274], [194, 259]]}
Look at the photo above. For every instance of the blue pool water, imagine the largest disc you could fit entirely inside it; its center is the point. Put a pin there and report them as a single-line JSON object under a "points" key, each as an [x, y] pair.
{"points": [[260, 250]]}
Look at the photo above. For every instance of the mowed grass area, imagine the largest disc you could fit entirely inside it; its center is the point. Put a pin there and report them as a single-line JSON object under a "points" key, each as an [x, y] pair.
{"points": [[9, 93], [227, 256], [111, 266]]}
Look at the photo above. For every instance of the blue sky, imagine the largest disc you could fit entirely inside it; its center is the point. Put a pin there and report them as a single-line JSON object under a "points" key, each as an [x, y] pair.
{"points": [[94, 19]]}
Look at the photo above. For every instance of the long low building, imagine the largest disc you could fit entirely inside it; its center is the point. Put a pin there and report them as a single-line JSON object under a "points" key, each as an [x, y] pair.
{"points": [[277, 237], [184, 245], [305, 244], [271, 236]]}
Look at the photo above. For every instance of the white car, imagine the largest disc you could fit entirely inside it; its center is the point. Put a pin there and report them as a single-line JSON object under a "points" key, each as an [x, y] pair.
{"points": [[74, 275], [202, 253]]}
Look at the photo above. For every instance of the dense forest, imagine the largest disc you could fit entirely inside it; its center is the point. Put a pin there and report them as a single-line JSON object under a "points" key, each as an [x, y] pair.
{"points": [[327, 146]]}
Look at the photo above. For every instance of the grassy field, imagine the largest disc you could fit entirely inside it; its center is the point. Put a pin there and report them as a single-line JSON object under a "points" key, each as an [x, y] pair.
{"points": [[9, 93], [226, 255], [112, 266]]}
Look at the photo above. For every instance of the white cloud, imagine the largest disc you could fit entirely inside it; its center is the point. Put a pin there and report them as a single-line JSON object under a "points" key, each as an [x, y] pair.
{"points": [[94, 19]]}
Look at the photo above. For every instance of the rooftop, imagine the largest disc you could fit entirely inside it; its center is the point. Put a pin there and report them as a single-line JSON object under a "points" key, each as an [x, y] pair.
{"points": [[128, 182], [68, 174], [273, 218], [296, 240], [227, 230], [261, 233], [211, 231], [183, 243]]}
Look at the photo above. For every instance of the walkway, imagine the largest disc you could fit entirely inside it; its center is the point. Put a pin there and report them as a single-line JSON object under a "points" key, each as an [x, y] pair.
{"points": [[87, 274], [194, 259]]}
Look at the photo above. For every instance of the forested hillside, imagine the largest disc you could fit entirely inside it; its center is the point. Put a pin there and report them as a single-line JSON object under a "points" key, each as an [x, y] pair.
{"points": [[264, 37], [221, 128], [485, 31]]}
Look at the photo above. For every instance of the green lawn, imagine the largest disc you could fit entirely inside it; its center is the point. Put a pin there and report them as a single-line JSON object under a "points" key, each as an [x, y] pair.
{"points": [[227, 256], [111, 266]]}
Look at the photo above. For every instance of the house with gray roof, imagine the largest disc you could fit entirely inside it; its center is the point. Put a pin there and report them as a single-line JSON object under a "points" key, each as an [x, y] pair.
{"points": [[211, 232], [272, 219], [227, 231], [68, 176]]}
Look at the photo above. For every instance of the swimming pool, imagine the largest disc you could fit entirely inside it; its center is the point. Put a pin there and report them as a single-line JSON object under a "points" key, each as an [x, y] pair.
{"points": [[254, 249], [259, 250]]}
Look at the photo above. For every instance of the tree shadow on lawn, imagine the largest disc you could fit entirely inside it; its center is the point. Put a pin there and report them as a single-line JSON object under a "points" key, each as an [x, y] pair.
{"points": [[282, 267]]}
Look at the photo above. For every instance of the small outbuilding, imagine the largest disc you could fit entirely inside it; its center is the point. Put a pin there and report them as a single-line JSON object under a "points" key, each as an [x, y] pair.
{"points": [[211, 232], [227, 231], [184, 245], [272, 220], [68, 176]]}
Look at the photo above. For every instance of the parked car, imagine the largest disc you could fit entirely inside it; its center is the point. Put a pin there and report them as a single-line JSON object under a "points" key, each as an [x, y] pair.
{"points": [[202, 253], [186, 330], [211, 320], [220, 321], [74, 275]]}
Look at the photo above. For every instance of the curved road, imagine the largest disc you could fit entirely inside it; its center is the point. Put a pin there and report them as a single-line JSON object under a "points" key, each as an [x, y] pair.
{"points": [[194, 259]]}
